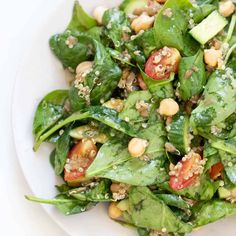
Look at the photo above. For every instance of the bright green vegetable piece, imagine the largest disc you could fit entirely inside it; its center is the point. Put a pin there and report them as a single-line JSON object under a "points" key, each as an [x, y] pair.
{"points": [[80, 20], [128, 6], [209, 27], [179, 134], [148, 211], [192, 76], [88, 131]]}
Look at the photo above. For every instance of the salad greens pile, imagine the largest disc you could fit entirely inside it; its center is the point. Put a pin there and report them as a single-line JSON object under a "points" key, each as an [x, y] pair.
{"points": [[149, 121]]}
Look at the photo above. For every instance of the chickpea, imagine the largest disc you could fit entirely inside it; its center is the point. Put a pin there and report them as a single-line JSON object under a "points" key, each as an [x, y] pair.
{"points": [[168, 107], [115, 187], [113, 211], [226, 8], [212, 57], [137, 147], [116, 104], [142, 22], [83, 68], [98, 13]]}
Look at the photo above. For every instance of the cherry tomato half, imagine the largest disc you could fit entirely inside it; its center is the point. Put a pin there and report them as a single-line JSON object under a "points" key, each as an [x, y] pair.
{"points": [[216, 170], [79, 159], [186, 172], [162, 62]]}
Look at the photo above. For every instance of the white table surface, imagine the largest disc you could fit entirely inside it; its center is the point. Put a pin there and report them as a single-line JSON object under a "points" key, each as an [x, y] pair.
{"points": [[18, 216]]}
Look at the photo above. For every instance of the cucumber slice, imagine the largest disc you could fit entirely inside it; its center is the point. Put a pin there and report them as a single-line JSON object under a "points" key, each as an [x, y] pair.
{"points": [[178, 133], [128, 6], [209, 27]]}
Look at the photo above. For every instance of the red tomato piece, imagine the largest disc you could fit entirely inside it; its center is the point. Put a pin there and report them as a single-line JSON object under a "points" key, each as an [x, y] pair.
{"points": [[162, 62], [186, 172], [216, 170], [79, 159]]}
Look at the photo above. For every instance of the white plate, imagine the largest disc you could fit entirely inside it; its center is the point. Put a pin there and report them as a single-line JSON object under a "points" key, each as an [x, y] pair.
{"points": [[39, 74]]}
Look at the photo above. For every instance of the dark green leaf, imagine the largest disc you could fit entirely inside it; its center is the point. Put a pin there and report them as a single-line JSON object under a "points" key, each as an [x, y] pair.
{"points": [[61, 153], [130, 110], [207, 212], [192, 76], [69, 56], [105, 115], [100, 82], [66, 205], [173, 200], [148, 211], [219, 100], [99, 193], [117, 26], [80, 20], [171, 29], [49, 111]]}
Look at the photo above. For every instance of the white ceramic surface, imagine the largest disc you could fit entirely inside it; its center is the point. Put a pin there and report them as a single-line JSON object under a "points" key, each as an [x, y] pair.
{"points": [[40, 73]]}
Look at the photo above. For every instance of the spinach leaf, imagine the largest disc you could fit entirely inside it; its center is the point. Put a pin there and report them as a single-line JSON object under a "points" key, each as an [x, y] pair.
{"points": [[207, 212], [228, 145], [117, 27], [200, 12], [130, 110], [146, 42], [49, 111], [61, 151], [99, 193], [159, 88], [66, 205], [171, 25], [192, 76], [173, 200], [229, 162], [136, 54], [113, 161], [69, 55], [98, 84], [219, 100], [80, 20], [148, 211], [103, 114]]}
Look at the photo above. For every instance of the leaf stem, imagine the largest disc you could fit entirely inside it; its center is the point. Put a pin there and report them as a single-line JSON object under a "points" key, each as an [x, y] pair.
{"points": [[231, 28], [229, 53]]}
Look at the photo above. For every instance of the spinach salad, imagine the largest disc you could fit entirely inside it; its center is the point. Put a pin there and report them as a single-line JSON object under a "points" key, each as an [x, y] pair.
{"points": [[149, 121]]}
